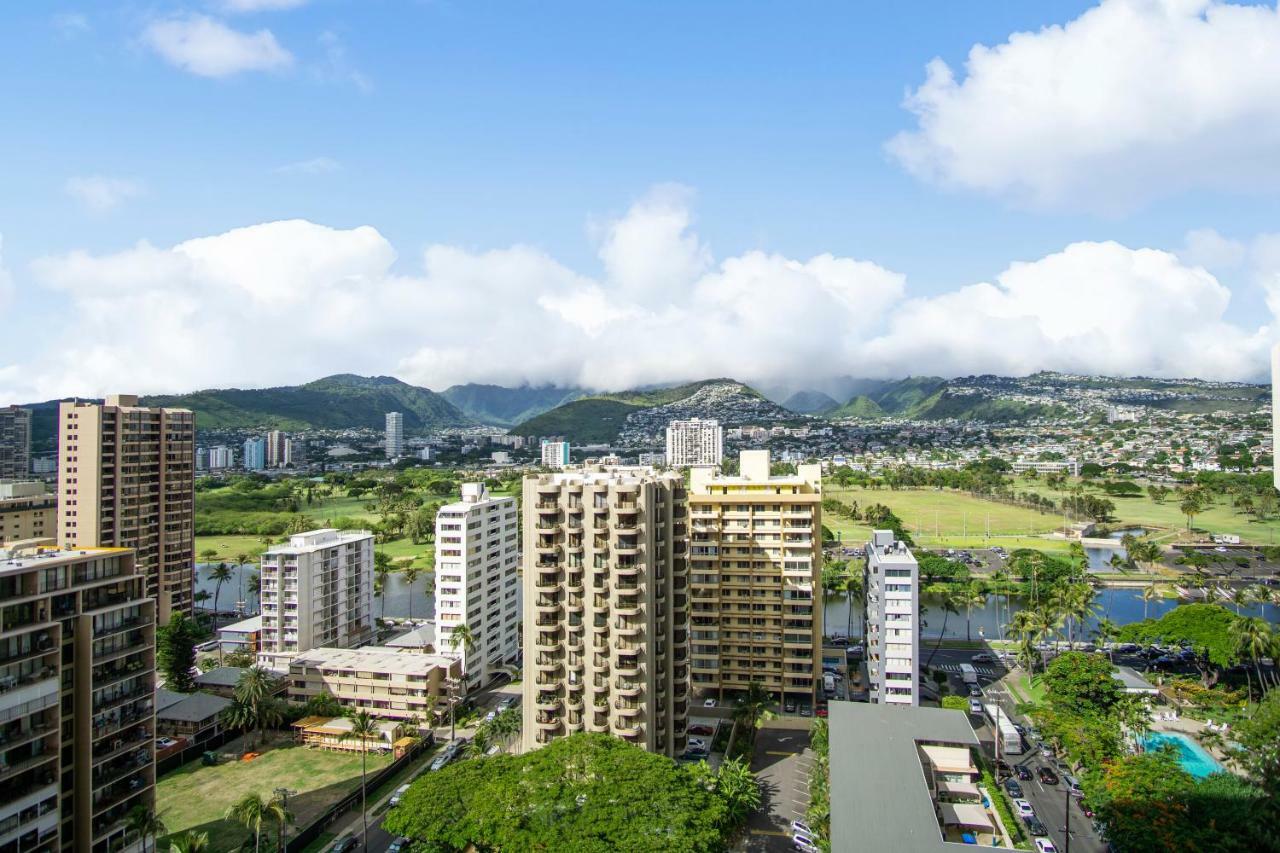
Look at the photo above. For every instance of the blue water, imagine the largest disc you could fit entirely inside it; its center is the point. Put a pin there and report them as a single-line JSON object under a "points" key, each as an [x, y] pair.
{"points": [[1191, 755]]}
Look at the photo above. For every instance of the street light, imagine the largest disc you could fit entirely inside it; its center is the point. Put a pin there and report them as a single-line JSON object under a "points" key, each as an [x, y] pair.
{"points": [[284, 794]]}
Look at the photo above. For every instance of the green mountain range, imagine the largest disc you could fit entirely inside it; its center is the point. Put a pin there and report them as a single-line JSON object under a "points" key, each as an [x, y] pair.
{"points": [[927, 398], [343, 401], [810, 403], [499, 406]]}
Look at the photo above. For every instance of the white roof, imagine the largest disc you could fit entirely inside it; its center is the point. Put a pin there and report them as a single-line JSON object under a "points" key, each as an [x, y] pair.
{"points": [[372, 659], [244, 626], [965, 814]]}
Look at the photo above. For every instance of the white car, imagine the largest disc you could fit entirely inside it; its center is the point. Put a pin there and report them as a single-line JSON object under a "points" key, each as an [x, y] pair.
{"points": [[1044, 845], [710, 703], [697, 743], [1024, 808], [799, 827], [804, 843]]}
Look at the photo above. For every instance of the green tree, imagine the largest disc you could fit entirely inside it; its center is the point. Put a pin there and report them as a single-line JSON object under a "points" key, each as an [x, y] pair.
{"points": [[950, 603], [1252, 638], [1081, 683], [189, 842], [751, 708], [1206, 628], [1105, 633], [1142, 799], [254, 690], [970, 597], [146, 824], [1149, 594], [460, 637], [382, 574], [176, 653], [365, 728], [410, 573], [250, 811], [737, 786]]}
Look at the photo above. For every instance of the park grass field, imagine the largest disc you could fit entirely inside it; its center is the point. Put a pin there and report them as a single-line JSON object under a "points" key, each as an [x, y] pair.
{"points": [[196, 797]]}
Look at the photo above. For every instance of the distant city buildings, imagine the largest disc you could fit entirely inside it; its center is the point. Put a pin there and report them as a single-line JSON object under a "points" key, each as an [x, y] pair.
{"points": [[254, 456], [221, 458], [28, 510], [316, 590], [126, 479], [478, 580], [15, 443], [655, 460], [77, 637], [892, 588], [1070, 467], [755, 568], [555, 454], [605, 612], [694, 442], [395, 435], [277, 449]]}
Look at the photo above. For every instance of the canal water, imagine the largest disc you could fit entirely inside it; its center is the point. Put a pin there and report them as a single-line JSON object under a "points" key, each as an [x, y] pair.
{"points": [[401, 601]]}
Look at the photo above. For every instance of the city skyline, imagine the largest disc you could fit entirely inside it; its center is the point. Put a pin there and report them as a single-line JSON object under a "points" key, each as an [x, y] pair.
{"points": [[851, 168]]}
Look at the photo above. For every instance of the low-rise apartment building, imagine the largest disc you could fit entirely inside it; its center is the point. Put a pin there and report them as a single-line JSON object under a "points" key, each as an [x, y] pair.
{"points": [[755, 564], [27, 511], [317, 590], [77, 686], [477, 581], [386, 683], [891, 584]]}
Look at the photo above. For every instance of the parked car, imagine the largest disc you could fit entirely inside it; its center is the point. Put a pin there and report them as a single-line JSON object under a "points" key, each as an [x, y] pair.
{"points": [[1024, 808], [400, 845], [975, 690], [1044, 845], [801, 827], [983, 657], [695, 753], [344, 844], [804, 710], [1024, 773], [697, 742], [700, 729], [839, 641], [1002, 768], [805, 843], [399, 794], [1034, 826], [789, 706], [710, 703], [1011, 785], [1047, 776]]}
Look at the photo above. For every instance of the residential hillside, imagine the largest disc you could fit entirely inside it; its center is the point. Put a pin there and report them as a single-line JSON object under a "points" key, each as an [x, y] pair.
{"points": [[499, 406], [810, 403]]}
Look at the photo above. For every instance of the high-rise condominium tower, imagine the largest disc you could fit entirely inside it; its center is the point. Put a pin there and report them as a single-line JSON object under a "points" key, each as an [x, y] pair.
{"points": [[694, 442], [15, 443], [755, 561], [126, 479], [77, 637], [255, 454], [555, 454], [605, 607], [395, 435], [892, 588], [478, 580], [277, 449], [317, 590]]}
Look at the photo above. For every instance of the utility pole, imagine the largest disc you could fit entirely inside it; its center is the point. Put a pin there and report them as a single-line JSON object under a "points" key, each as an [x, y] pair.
{"points": [[1066, 829]]}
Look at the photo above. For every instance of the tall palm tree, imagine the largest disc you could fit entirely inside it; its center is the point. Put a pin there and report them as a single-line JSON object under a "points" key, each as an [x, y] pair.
{"points": [[382, 574], [483, 738], [949, 605], [852, 585], [998, 583], [1252, 639], [363, 727], [970, 597], [144, 821], [461, 635], [1150, 594], [253, 690], [249, 811], [1104, 632], [278, 811], [752, 706], [189, 842], [410, 573], [220, 573], [1241, 597]]}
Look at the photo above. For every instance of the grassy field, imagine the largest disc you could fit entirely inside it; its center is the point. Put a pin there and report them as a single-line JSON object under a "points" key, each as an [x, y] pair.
{"points": [[196, 797]]}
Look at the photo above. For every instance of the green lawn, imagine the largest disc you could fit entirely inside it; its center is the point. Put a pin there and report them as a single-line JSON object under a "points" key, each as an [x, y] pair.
{"points": [[196, 797], [229, 546], [1024, 689]]}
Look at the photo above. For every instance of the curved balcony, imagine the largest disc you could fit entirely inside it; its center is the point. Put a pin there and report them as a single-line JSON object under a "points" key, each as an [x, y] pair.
{"points": [[574, 703], [627, 687], [628, 629], [633, 731], [627, 570], [546, 701], [548, 523], [548, 580], [548, 642], [634, 669], [574, 547], [575, 605], [574, 642], [547, 549], [628, 547], [625, 608], [627, 709], [574, 582]]}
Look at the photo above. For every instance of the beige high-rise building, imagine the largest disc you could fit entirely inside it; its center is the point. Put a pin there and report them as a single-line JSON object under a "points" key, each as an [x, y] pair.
{"points": [[755, 561], [28, 510], [126, 478], [606, 607], [77, 687]]}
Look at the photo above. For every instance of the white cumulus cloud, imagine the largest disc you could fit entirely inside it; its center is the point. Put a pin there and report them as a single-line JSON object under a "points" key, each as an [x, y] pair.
{"points": [[1132, 101], [100, 193], [201, 45], [288, 301]]}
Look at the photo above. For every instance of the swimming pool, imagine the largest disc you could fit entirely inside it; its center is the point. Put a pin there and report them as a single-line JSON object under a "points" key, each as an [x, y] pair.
{"points": [[1191, 755]]}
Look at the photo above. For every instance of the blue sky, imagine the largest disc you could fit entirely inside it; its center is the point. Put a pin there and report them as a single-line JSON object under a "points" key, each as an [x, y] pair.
{"points": [[483, 126]]}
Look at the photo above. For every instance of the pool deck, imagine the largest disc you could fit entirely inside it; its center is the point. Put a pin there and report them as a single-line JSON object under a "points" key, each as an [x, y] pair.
{"points": [[1191, 728]]}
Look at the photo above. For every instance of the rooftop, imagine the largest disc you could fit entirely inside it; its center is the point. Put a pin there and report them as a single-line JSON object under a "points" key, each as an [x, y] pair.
{"points": [[244, 626], [876, 770], [314, 540], [13, 560], [372, 659], [222, 676], [192, 708], [1132, 682], [421, 635]]}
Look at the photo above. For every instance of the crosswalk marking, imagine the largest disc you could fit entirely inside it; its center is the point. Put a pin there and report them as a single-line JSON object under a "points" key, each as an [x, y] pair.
{"points": [[955, 667]]}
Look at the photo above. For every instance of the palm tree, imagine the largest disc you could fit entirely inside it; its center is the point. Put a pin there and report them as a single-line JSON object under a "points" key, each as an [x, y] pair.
{"points": [[240, 716], [852, 584], [411, 573], [1104, 632], [364, 727], [481, 741], [146, 823], [253, 690], [1262, 596], [382, 573], [1076, 605], [949, 606], [460, 636], [970, 597], [220, 573], [752, 706], [738, 787], [1241, 597], [189, 842], [1252, 639], [249, 811], [1150, 594], [278, 811]]}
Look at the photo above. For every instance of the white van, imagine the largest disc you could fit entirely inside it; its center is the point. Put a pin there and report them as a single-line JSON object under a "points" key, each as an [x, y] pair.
{"points": [[968, 673], [829, 684]]}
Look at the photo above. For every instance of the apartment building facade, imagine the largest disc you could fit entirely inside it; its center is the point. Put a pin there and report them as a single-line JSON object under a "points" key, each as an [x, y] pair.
{"points": [[221, 457], [478, 580], [892, 588], [395, 435], [606, 607], [386, 683], [316, 590], [254, 454], [126, 479], [15, 443], [694, 442], [277, 449], [77, 685], [755, 569], [28, 510], [555, 454]]}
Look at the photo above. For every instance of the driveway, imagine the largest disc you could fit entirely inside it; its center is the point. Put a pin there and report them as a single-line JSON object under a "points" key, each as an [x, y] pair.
{"points": [[781, 761]]}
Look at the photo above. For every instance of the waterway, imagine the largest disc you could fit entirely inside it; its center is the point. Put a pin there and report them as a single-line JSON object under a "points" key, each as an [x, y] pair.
{"points": [[400, 599]]}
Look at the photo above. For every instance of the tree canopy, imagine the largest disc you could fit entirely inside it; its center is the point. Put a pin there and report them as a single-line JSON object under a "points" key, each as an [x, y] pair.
{"points": [[588, 792], [1081, 683], [1207, 627]]}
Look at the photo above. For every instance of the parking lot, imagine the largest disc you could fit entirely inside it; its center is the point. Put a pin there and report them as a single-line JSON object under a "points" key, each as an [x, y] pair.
{"points": [[781, 761]]}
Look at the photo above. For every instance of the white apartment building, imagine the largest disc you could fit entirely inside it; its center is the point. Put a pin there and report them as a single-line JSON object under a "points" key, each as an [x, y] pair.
{"points": [[220, 458], [1070, 467], [478, 580], [555, 454], [395, 435], [892, 584], [317, 590], [694, 442]]}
